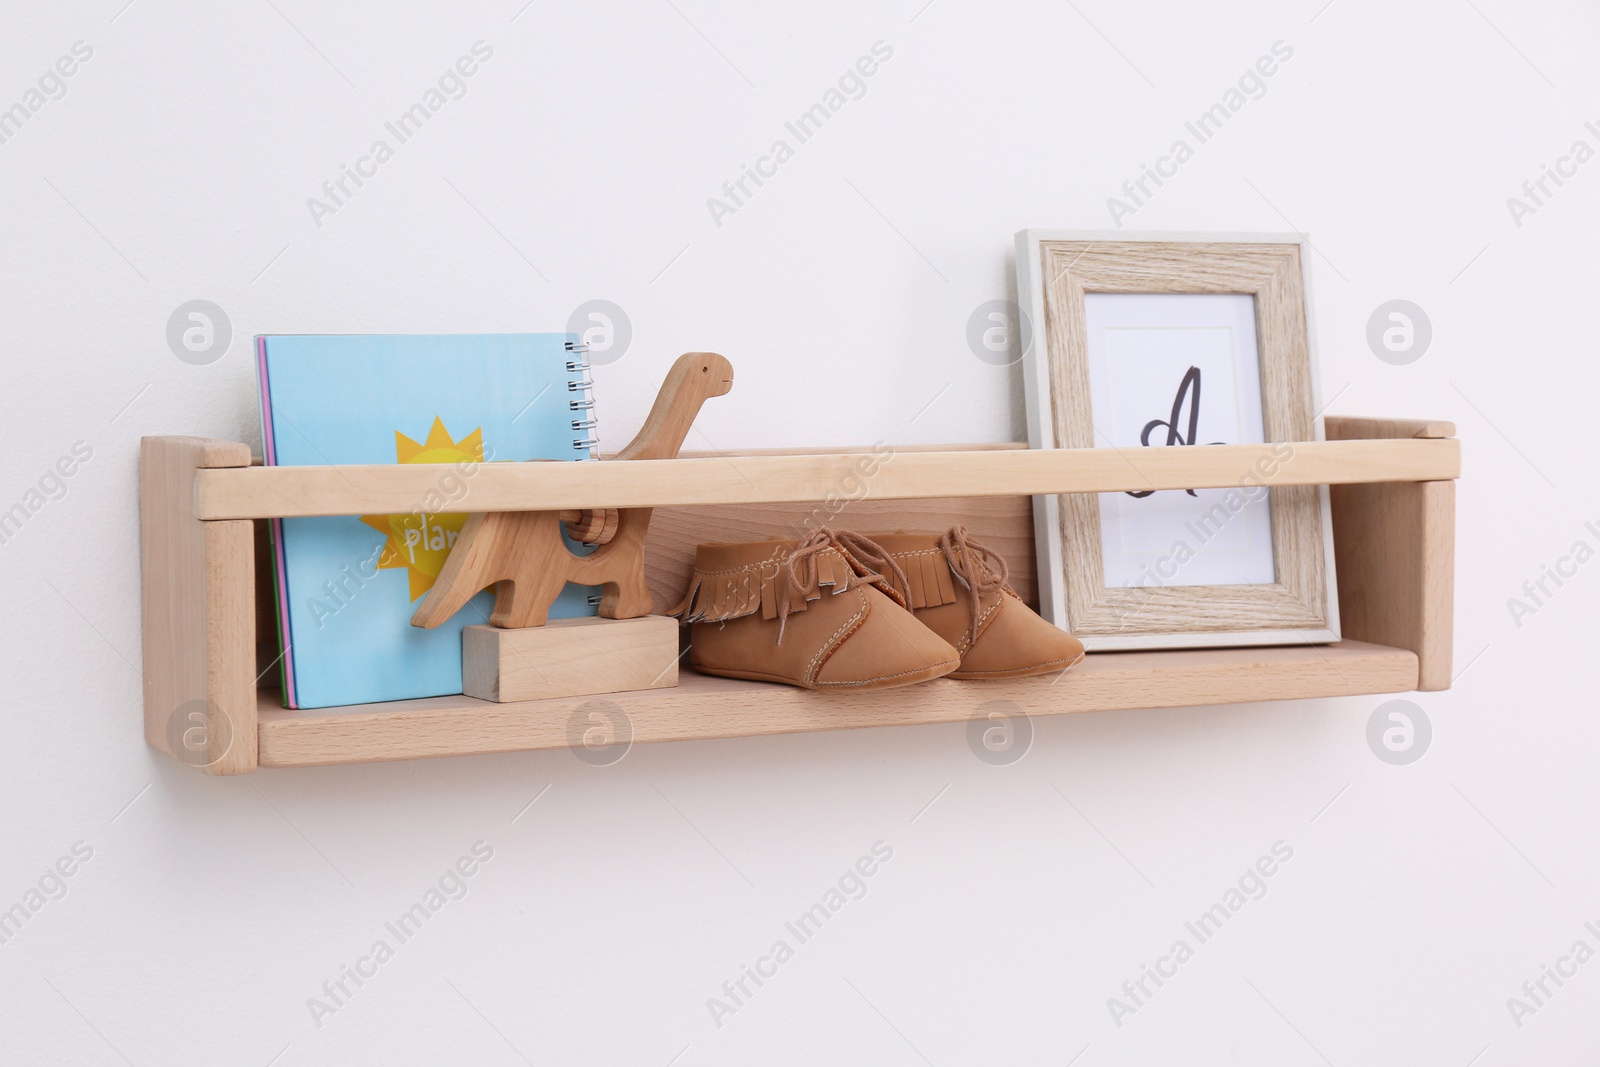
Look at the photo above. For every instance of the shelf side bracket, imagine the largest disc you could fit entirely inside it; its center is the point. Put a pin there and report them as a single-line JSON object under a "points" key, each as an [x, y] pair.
{"points": [[1394, 552], [198, 581]]}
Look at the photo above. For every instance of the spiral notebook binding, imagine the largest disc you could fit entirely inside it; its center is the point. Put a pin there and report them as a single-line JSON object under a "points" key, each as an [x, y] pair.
{"points": [[584, 401]]}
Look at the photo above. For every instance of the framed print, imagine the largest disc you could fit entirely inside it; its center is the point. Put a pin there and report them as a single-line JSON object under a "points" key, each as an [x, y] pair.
{"points": [[1174, 341]]}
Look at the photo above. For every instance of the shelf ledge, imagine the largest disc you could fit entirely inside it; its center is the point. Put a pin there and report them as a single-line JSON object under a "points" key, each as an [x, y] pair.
{"points": [[702, 707]]}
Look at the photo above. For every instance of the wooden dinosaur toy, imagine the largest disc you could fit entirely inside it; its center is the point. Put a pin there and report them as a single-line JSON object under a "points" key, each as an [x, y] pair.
{"points": [[522, 553]]}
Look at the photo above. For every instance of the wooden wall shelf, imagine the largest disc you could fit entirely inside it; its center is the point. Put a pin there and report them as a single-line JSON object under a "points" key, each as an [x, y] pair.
{"points": [[208, 595]]}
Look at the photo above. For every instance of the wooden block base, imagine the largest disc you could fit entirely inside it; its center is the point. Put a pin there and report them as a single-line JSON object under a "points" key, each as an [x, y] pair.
{"points": [[569, 657]]}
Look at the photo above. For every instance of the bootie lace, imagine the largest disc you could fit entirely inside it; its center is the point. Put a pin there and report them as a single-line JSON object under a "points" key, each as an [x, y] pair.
{"points": [[976, 566]]}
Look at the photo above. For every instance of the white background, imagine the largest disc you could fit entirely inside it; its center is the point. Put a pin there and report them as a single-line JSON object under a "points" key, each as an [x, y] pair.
{"points": [[1020, 897]]}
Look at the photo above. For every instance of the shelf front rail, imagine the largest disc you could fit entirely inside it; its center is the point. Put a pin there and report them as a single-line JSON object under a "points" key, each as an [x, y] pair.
{"points": [[285, 492]]}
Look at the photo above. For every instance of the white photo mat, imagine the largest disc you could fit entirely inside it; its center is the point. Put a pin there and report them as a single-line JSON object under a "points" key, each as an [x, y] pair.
{"points": [[1163, 363]]}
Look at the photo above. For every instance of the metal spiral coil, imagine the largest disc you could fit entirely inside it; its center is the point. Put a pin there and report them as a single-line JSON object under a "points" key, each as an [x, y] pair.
{"points": [[585, 402]]}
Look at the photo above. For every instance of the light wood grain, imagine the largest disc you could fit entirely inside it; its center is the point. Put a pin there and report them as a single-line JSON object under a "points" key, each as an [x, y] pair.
{"points": [[1395, 548], [203, 612], [701, 707], [1003, 523], [1361, 427], [598, 527], [523, 553], [1297, 605], [569, 657], [263, 492], [198, 611]]}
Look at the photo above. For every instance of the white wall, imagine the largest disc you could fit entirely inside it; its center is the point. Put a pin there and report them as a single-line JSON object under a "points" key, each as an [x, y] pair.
{"points": [[1419, 898]]}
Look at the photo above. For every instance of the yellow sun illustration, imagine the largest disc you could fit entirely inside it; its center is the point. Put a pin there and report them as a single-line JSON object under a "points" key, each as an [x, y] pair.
{"points": [[419, 541]]}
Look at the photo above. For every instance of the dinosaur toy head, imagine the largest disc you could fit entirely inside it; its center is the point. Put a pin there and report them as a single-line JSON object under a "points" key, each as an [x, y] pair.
{"points": [[715, 372]]}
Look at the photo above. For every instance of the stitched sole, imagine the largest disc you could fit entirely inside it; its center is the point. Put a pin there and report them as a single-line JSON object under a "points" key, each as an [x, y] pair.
{"points": [[1053, 667], [938, 670]]}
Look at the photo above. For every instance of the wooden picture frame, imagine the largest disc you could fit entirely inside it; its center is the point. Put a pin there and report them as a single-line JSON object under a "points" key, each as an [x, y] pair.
{"points": [[1057, 271]]}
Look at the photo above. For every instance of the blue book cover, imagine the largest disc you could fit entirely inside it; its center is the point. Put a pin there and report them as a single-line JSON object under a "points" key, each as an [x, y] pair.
{"points": [[348, 585]]}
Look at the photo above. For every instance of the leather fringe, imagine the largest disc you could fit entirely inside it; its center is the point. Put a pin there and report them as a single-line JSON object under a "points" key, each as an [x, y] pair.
{"points": [[928, 579], [718, 596]]}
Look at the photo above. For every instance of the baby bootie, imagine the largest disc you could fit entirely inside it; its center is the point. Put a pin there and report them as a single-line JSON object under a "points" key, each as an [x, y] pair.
{"points": [[957, 588], [819, 613]]}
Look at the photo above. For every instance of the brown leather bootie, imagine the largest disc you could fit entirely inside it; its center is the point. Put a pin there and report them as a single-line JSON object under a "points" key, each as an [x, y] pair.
{"points": [[819, 613], [957, 588]]}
